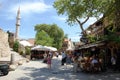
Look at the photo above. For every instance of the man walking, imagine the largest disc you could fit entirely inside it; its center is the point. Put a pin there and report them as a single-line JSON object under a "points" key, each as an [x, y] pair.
{"points": [[63, 58]]}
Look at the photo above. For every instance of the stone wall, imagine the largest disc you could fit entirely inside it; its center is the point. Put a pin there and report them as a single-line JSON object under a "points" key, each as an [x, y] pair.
{"points": [[11, 39], [4, 45]]}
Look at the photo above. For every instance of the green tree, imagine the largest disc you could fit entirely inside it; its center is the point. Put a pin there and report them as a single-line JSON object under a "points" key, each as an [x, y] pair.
{"points": [[40, 27], [16, 46], [117, 14], [57, 35], [43, 38], [77, 10], [51, 35], [27, 50]]}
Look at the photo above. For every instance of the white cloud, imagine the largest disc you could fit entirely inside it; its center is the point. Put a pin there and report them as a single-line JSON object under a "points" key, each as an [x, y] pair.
{"points": [[30, 7], [61, 18]]}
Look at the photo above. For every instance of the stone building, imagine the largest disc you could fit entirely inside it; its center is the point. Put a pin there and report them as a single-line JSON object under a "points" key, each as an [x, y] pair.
{"points": [[4, 45], [67, 45]]}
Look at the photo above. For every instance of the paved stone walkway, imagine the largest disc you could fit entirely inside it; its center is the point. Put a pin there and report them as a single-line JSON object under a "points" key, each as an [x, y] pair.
{"points": [[36, 70]]}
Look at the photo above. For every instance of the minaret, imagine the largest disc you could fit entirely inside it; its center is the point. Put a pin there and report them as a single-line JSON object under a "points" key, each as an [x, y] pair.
{"points": [[17, 24]]}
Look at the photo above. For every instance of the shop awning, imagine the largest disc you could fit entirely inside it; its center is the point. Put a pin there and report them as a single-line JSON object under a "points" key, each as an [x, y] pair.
{"points": [[44, 48], [91, 45], [40, 47]]}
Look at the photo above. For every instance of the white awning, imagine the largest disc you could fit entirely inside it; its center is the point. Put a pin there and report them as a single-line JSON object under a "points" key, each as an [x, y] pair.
{"points": [[51, 48], [25, 43], [40, 47]]}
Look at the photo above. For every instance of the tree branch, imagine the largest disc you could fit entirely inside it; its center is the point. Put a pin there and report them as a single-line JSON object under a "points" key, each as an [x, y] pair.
{"points": [[80, 24], [78, 21], [85, 20]]}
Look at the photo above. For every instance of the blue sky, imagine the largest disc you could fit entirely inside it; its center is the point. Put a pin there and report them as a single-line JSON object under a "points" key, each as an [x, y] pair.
{"points": [[35, 12]]}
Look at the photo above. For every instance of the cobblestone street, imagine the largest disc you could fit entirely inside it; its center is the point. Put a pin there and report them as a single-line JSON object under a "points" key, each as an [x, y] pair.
{"points": [[36, 70]]}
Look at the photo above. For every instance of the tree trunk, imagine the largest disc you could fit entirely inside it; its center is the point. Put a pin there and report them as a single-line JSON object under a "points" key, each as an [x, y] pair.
{"points": [[80, 24]]}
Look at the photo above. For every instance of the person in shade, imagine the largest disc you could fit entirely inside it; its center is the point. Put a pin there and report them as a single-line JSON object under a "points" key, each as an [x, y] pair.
{"points": [[113, 61]]}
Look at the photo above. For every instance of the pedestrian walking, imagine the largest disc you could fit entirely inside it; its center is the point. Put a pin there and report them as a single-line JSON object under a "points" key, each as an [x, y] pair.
{"points": [[45, 58], [51, 54], [63, 58], [49, 61], [68, 61]]}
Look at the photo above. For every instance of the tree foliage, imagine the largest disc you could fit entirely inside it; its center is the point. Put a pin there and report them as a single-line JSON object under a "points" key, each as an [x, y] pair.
{"points": [[27, 50], [16, 46], [117, 14], [49, 35], [76, 10], [43, 38]]}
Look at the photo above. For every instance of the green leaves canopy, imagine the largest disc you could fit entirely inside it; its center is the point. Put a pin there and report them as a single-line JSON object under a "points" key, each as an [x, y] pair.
{"points": [[43, 38], [49, 35], [75, 10]]}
